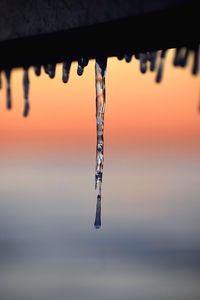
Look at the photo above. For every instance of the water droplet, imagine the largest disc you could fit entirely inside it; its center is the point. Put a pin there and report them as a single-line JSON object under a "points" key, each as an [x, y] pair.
{"points": [[26, 93], [100, 71], [8, 90], [66, 71], [37, 70]]}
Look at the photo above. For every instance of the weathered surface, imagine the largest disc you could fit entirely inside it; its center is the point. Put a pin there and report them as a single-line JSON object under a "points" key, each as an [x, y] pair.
{"points": [[48, 31], [24, 18]]}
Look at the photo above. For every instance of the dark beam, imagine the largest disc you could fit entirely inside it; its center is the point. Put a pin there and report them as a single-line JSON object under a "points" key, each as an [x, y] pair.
{"points": [[38, 32]]}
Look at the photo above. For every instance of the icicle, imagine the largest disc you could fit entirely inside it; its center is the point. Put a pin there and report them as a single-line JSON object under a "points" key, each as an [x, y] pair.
{"points": [[137, 56], [176, 61], [46, 68], [128, 57], [184, 57], [143, 62], [65, 71], [161, 66], [120, 56], [152, 59], [100, 70], [80, 70], [195, 68], [82, 62], [8, 90], [0, 80], [97, 223], [51, 70], [37, 70], [26, 93]]}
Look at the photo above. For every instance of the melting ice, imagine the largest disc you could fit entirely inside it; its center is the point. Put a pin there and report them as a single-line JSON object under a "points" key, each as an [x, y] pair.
{"points": [[26, 93], [151, 60], [100, 72]]}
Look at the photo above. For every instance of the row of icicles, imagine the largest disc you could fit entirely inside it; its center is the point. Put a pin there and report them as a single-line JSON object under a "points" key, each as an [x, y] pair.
{"points": [[153, 61]]}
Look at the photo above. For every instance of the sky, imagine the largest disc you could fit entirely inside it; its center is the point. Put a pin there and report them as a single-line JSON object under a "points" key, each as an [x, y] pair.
{"points": [[139, 113], [148, 245]]}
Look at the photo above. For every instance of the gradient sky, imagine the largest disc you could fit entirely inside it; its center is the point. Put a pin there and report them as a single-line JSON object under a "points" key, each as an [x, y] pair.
{"points": [[138, 111]]}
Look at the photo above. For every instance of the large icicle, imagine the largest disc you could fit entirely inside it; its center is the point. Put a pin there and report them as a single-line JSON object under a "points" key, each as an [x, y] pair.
{"points": [[100, 70]]}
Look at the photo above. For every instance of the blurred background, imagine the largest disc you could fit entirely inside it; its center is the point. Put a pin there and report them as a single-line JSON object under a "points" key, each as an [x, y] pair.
{"points": [[149, 244]]}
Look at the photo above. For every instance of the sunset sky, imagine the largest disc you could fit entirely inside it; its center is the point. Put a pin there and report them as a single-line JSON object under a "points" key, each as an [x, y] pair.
{"points": [[148, 245], [138, 111]]}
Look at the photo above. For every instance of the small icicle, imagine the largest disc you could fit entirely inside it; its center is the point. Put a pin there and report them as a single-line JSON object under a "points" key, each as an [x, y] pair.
{"points": [[46, 69], [128, 57], [176, 61], [152, 59], [184, 57], [8, 90], [120, 56], [37, 70], [195, 68], [52, 70], [26, 93], [80, 70], [143, 62], [100, 70], [0, 80], [159, 75], [82, 63], [66, 71]]}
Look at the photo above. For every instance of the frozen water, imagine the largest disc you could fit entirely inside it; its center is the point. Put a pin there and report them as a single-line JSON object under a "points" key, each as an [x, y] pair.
{"points": [[100, 70], [26, 93]]}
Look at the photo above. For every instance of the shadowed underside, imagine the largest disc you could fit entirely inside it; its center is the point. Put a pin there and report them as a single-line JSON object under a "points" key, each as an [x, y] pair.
{"points": [[49, 31]]}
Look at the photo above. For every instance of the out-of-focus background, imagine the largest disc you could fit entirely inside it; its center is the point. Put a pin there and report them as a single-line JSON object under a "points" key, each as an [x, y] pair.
{"points": [[149, 243]]}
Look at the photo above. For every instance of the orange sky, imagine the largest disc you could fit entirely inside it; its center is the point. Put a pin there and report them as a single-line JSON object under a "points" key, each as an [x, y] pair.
{"points": [[137, 109]]}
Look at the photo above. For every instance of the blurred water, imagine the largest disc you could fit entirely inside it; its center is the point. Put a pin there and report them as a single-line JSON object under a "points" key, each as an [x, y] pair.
{"points": [[148, 247]]}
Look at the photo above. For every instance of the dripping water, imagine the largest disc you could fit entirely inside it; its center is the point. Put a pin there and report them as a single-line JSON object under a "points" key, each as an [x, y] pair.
{"points": [[26, 93], [100, 70], [8, 90], [66, 71]]}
